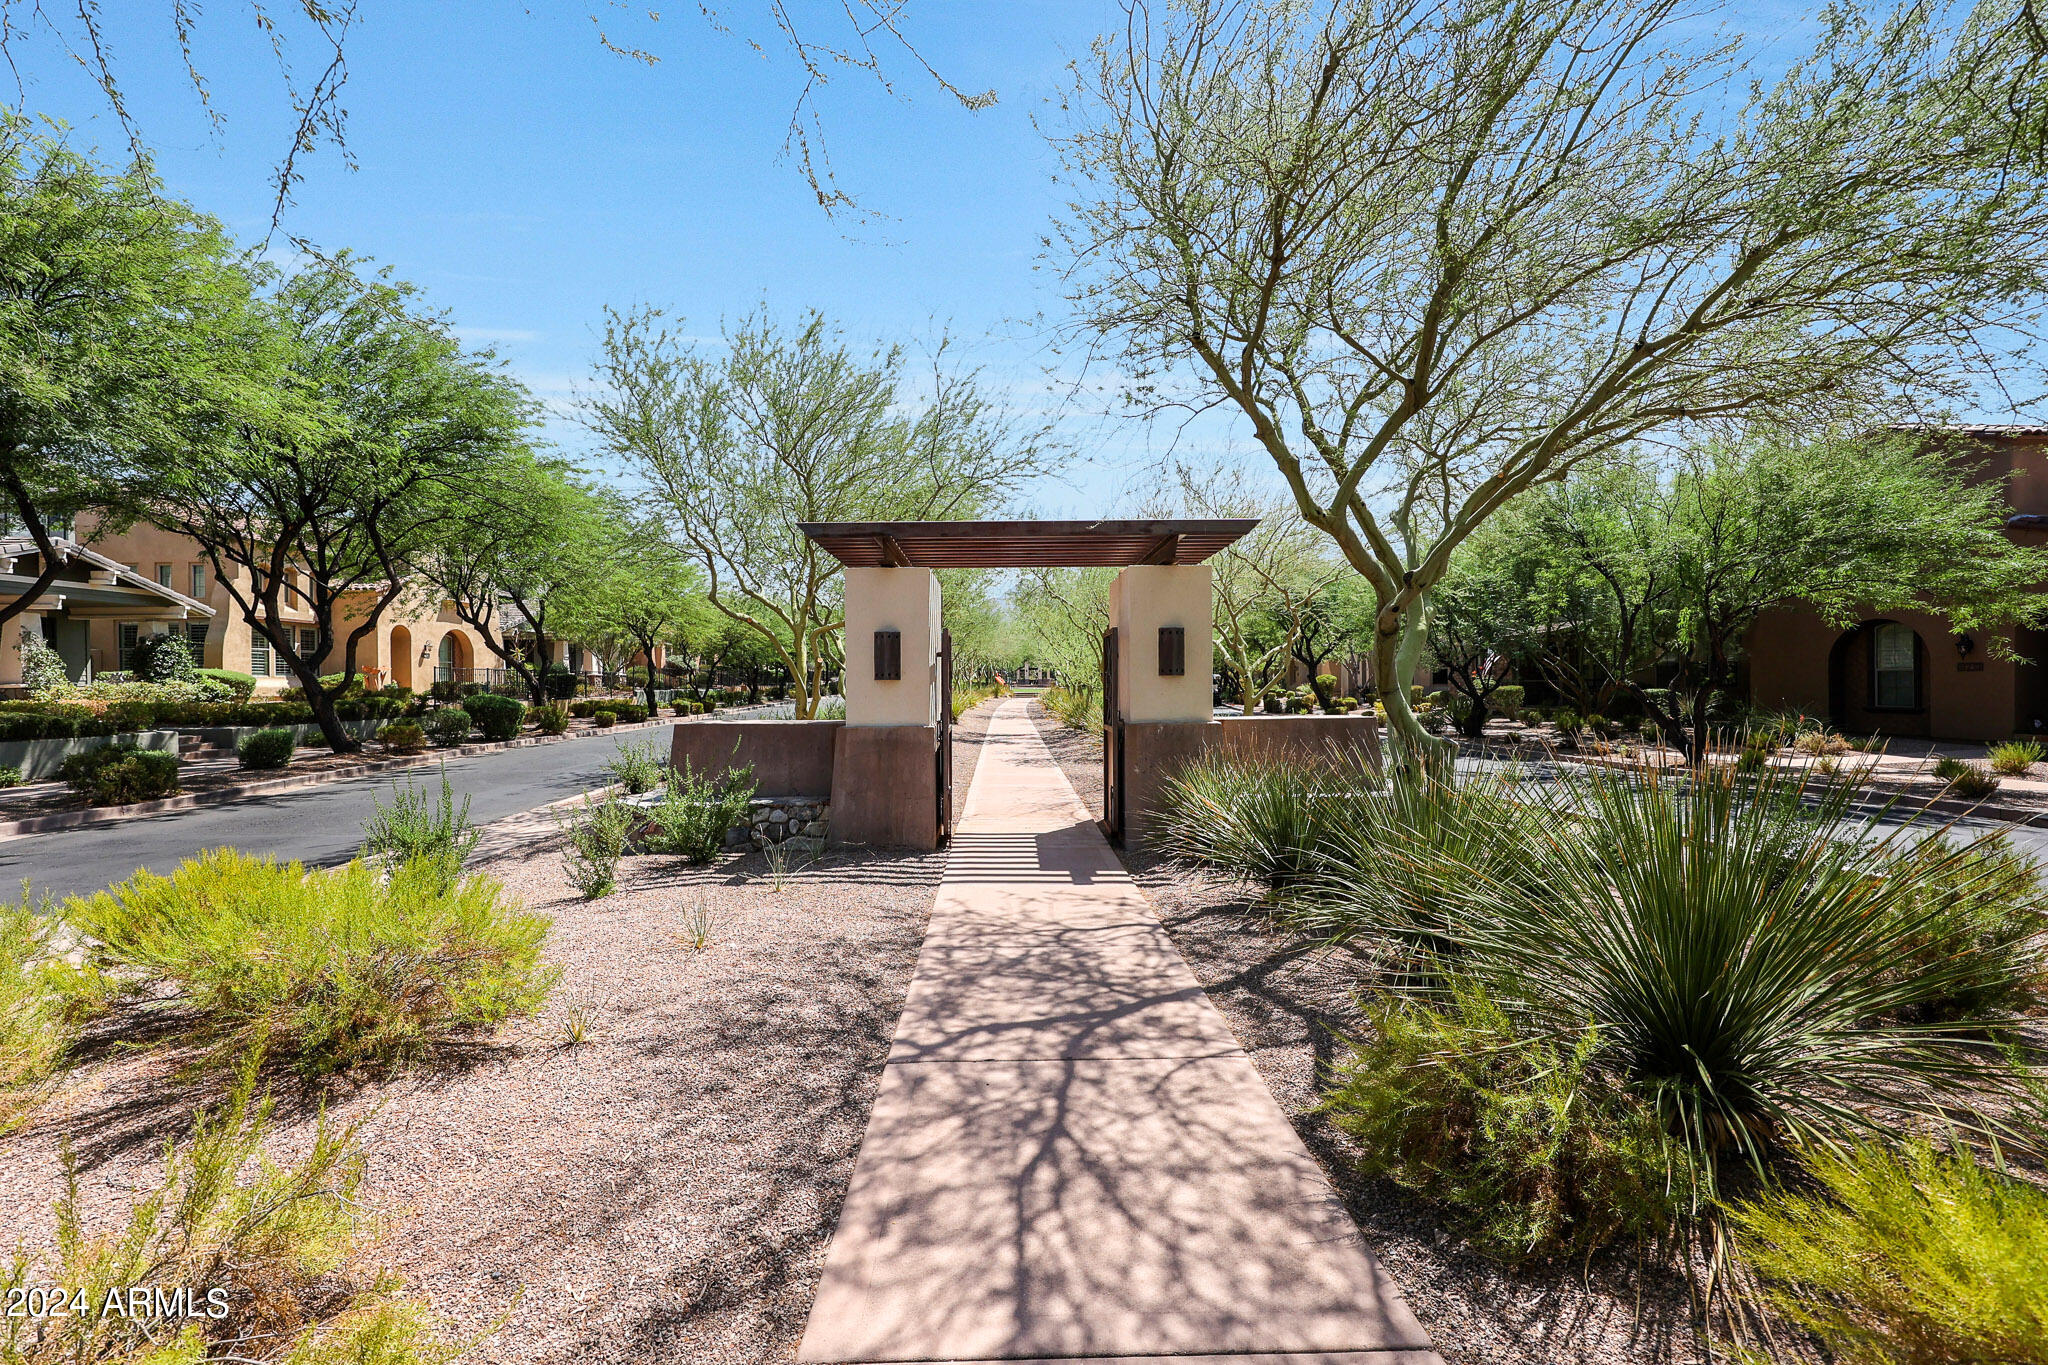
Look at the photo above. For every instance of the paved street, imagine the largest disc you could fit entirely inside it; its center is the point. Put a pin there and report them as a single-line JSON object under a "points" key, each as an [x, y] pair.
{"points": [[317, 825]]}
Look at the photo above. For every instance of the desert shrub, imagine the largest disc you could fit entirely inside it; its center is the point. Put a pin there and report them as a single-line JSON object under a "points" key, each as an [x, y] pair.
{"points": [[595, 835], [696, 811], [1816, 743], [1532, 1147], [267, 749], [552, 719], [1566, 720], [332, 970], [10, 776], [1507, 699], [41, 666], [240, 685], [604, 720], [583, 709], [418, 829], [1977, 908], [624, 712], [1966, 781], [498, 717], [2014, 757], [284, 1247], [163, 657], [1907, 1258], [36, 1029], [120, 773], [1077, 707], [447, 726], [680, 708], [1739, 960], [638, 767], [403, 737], [1253, 817]]}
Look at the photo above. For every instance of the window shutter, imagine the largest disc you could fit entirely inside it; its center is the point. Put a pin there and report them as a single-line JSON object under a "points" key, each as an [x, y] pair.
{"points": [[888, 655], [259, 654], [1173, 652], [195, 642], [130, 633]]}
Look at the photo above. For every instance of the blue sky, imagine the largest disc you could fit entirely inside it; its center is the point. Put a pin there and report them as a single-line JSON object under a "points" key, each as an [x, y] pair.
{"points": [[525, 177]]}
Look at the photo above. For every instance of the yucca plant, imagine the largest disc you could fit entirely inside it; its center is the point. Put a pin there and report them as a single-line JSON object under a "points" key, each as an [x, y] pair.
{"points": [[1256, 817], [2014, 757], [1738, 943]]}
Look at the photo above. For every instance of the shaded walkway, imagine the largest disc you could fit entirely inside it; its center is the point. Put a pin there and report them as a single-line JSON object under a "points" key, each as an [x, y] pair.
{"points": [[1070, 1156]]}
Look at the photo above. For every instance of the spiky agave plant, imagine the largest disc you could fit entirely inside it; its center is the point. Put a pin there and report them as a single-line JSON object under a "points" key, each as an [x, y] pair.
{"points": [[1738, 942], [1256, 817]]}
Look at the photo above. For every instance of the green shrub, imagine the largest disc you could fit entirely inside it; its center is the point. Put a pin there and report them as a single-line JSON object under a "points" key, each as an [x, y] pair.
{"points": [[404, 737], [285, 1247], [332, 970], [240, 685], [552, 719], [1907, 1258], [41, 666], [1254, 817], [119, 774], [696, 811], [498, 717], [679, 708], [1078, 708], [416, 829], [582, 709], [1966, 781], [448, 726], [605, 720], [163, 657], [10, 776], [1530, 1145], [638, 767], [2015, 756], [595, 835], [625, 712], [35, 1028], [267, 749], [1507, 699], [1977, 912]]}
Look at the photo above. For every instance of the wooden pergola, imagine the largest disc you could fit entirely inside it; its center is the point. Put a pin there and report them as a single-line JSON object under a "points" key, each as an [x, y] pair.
{"points": [[1022, 544]]}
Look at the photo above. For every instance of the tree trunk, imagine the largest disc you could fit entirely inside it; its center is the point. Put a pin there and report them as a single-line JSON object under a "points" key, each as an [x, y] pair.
{"points": [[1397, 646]]}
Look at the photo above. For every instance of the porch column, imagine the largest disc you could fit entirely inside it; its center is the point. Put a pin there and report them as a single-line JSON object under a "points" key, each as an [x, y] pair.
{"points": [[1163, 618], [885, 769]]}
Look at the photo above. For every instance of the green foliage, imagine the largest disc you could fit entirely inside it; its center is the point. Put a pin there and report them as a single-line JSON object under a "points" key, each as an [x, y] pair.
{"points": [[498, 717], [621, 712], [552, 719], [638, 767], [267, 749], [448, 726], [1259, 817], [284, 1245], [1907, 1258], [420, 831], [1966, 781], [1535, 1149], [403, 737], [332, 970], [42, 668], [163, 657], [1077, 706], [2015, 756], [118, 774], [604, 720], [696, 811], [10, 776], [1976, 914], [37, 1026], [242, 685], [595, 835]]}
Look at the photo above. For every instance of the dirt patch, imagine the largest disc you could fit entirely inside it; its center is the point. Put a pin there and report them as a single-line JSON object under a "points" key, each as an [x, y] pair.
{"points": [[662, 1190]]}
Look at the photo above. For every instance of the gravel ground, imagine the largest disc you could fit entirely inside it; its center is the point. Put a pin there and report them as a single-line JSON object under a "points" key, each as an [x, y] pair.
{"points": [[663, 1190], [1290, 1000], [968, 732]]}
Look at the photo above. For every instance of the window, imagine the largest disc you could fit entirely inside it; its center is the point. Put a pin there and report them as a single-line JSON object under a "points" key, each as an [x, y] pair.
{"points": [[163, 575], [199, 582], [259, 654], [444, 660], [130, 633], [195, 642], [1894, 668]]}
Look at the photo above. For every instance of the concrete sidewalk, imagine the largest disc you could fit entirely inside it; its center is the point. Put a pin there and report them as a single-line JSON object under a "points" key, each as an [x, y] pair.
{"points": [[1070, 1155]]}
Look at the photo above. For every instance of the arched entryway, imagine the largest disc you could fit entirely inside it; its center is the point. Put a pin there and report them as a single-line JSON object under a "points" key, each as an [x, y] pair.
{"points": [[1877, 680], [401, 657], [451, 658]]}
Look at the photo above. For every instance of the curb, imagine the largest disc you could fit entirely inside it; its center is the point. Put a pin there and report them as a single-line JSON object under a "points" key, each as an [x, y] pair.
{"points": [[112, 815]]}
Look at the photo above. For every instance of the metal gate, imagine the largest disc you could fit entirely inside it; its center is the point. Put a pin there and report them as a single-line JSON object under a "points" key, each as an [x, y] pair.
{"points": [[945, 756], [1112, 743]]}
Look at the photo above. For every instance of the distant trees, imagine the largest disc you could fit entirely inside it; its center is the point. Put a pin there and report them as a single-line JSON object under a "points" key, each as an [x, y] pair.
{"points": [[1438, 253], [643, 597], [777, 427]]}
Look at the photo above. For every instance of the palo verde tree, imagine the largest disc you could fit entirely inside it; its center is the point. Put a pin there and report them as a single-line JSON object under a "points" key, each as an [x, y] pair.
{"points": [[779, 427], [1435, 253], [513, 549], [643, 596], [119, 313], [1670, 567], [333, 511]]}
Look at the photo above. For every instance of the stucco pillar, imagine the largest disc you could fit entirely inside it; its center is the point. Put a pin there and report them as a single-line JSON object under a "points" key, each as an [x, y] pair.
{"points": [[885, 770], [1148, 598]]}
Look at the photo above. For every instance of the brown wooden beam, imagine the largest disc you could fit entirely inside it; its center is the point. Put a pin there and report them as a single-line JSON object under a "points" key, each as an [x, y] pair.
{"points": [[1164, 551], [892, 553]]}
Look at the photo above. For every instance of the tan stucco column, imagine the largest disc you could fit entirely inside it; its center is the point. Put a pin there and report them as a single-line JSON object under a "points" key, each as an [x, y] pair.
{"points": [[1148, 598], [885, 782]]}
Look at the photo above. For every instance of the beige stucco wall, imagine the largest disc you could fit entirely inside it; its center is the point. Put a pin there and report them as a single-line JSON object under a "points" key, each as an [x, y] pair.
{"points": [[1978, 698], [1143, 598], [899, 599]]}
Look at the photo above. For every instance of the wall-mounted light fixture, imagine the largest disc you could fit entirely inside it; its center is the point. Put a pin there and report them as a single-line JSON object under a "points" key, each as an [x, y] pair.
{"points": [[888, 655], [1173, 652], [1965, 646]]}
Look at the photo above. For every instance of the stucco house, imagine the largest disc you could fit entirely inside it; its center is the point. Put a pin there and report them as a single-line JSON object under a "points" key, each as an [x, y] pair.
{"points": [[418, 641], [93, 598], [1910, 673]]}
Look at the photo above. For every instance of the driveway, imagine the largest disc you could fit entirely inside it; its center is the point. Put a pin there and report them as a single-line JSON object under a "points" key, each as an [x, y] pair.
{"points": [[317, 825]]}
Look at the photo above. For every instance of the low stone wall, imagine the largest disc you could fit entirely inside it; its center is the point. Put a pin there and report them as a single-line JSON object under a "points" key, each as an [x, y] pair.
{"points": [[800, 822], [40, 758]]}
